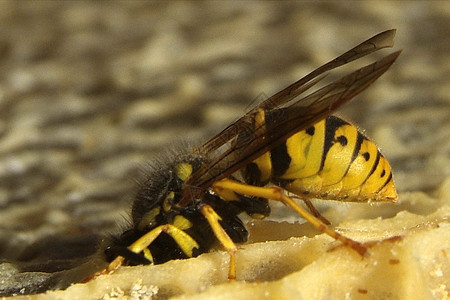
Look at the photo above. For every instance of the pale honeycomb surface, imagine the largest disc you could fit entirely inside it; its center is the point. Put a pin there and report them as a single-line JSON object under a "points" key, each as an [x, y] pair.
{"points": [[89, 91]]}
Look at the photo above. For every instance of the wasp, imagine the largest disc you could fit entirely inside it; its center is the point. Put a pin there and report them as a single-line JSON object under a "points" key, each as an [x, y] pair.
{"points": [[286, 148]]}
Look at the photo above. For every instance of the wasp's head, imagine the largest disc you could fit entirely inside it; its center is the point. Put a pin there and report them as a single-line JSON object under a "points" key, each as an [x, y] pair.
{"points": [[160, 192], [157, 203]]}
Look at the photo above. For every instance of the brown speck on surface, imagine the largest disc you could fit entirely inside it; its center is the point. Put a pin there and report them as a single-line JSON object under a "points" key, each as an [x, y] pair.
{"points": [[362, 291], [394, 261]]}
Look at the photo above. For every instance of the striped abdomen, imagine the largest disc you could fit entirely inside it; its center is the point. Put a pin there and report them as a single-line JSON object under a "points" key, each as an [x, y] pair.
{"points": [[329, 160]]}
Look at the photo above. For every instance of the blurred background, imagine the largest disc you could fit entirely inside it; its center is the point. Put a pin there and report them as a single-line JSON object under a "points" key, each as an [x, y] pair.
{"points": [[90, 91]]}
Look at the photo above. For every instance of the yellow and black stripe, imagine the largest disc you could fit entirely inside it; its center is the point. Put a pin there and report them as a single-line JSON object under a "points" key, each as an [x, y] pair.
{"points": [[329, 160]]}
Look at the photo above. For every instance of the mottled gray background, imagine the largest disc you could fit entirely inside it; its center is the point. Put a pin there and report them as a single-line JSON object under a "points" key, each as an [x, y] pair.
{"points": [[91, 90]]}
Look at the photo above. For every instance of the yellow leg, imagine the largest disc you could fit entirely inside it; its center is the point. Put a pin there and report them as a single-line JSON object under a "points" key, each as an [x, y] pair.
{"points": [[213, 220], [313, 210], [184, 241], [277, 194]]}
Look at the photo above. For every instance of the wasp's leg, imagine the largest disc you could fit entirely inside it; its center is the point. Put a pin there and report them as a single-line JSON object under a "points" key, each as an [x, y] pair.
{"points": [[277, 194], [186, 243], [131, 257], [313, 210], [213, 220]]}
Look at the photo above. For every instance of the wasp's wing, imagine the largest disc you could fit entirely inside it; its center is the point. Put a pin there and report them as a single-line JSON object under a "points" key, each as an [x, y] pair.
{"points": [[246, 142], [382, 40]]}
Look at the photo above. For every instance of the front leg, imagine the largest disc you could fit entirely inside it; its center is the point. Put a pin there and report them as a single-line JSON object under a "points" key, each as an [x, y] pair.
{"points": [[186, 243]]}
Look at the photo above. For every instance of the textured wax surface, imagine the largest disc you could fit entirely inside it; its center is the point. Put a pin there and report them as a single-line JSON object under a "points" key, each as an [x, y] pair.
{"points": [[90, 91]]}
